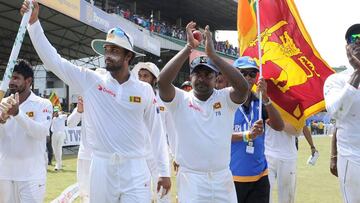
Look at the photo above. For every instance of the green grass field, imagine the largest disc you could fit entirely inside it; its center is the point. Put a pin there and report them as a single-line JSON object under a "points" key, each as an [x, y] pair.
{"points": [[315, 184]]}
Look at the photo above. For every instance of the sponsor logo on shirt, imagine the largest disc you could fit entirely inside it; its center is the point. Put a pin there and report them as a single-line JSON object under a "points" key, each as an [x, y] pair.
{"points": [[104, 89], [194, 107], [135, 99], [217, 105], [45, 110]]}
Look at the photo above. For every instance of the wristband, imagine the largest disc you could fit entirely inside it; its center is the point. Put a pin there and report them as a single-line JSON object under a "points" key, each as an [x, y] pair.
{"points": [[245, 136]]}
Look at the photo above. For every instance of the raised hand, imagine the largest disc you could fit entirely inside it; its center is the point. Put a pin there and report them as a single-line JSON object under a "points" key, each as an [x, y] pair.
{"points": [[80, 105], [262, 89], [209, 43], [190, 27], [35, 13]]}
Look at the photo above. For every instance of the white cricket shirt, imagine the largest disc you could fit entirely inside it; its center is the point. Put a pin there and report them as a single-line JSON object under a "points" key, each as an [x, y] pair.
{"points": [[118, 116], [204, 129], [280, 144], [23, 141], [58, 124], [342, 102]]}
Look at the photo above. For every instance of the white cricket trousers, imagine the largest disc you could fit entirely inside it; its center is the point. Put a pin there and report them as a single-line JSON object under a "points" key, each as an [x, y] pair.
{"points": [[22, 191], [283, 174], [57, 142], [205, 187], [154, 180], [349, 177], [83, 179], [115, 179]]}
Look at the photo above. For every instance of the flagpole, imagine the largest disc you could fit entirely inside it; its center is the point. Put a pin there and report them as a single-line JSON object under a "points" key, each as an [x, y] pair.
{"points": [[15, 52], [259, 51]]}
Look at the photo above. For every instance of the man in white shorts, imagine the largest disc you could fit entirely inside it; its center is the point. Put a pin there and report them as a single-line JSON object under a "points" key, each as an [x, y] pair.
{"points": [[120, 112], [341, 92], [204, 122], [24, 124]]}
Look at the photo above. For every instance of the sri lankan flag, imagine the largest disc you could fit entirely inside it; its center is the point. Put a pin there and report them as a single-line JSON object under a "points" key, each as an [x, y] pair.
{"points": [[294, 70], [54, 99]]}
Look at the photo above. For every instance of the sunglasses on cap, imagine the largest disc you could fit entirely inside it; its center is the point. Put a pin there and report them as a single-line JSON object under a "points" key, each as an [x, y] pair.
{"points": [[352, 38], [252, 74], [119, 32]]}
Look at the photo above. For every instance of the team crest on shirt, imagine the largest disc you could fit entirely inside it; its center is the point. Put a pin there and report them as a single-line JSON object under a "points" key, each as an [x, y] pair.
{"points": [[217, 105], [162, 108], [30, 114], [135, 99]]}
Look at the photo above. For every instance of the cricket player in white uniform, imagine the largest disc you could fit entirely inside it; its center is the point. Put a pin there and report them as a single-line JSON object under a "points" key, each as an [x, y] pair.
{"points": [[342, 98], [281, 155], [84, 154], [58, 135], [149, 72], [24, 125], [120, 112], [204, 122]]}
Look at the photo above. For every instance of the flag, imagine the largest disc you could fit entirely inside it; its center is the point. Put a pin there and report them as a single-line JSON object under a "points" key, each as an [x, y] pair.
{"points": [[294, 70], [54, 99], [246, 23]]}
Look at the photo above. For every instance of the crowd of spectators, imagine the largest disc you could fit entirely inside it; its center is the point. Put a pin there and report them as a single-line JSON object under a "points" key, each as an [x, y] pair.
{"points": [[167, 29]]}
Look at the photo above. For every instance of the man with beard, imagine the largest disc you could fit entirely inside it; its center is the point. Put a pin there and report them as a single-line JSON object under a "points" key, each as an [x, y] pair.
{"points": [[342, 97], [25, 121], [120, 113], [204, 118]]}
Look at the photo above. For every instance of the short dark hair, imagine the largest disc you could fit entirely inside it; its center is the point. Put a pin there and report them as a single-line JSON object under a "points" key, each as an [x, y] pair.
{"points": [[24, 68]]}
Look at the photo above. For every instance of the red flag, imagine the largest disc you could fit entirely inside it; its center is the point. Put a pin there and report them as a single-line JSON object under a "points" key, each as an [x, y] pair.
{"points": [[294, 70]]}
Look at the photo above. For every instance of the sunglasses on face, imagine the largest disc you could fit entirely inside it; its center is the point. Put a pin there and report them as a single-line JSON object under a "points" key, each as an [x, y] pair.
{"points": [[353, 38], [252, 74]]}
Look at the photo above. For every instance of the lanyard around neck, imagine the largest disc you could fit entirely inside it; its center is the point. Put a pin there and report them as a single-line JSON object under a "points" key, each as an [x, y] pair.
{"points": [[248, 120]]}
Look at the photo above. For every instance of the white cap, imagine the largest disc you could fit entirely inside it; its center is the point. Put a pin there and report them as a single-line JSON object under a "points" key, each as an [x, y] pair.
{"points": [[152, 68]]}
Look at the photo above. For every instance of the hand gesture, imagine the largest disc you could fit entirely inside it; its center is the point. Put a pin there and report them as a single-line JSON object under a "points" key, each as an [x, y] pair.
{"points": [[35, 13], [13, 100], [190, 27], [80, 105], [353, 54], [209, 43], [257, 129]]}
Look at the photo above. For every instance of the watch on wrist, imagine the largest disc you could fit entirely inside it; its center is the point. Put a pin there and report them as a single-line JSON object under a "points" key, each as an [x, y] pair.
{"points": [[268, 102]]}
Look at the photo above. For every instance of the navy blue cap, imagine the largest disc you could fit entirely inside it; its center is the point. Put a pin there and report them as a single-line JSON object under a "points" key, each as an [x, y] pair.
{"points": [[245, 62], [202, 61]]}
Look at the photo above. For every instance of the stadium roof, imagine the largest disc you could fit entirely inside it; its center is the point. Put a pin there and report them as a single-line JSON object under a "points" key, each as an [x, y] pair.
{"points": [[219, 14], [70, 37]]}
